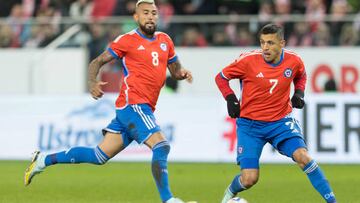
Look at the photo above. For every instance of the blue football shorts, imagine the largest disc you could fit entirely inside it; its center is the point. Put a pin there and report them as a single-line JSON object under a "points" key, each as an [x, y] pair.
{"points": [[134, 122], [285, 135]]}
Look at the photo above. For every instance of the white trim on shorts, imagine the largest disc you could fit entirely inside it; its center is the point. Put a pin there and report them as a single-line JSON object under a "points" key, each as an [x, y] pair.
{"points": [[145, 118]]}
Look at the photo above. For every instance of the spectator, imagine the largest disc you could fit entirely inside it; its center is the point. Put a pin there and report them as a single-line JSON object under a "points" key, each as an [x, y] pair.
{"points": [[166, 12], [315, 12], [81, 9], [283, 9], [124, 8], [49, 34], [49, 12], [15, 22], [265, 12], [301, 36], [6, 39], [193, 38], [231, 28], [356, 26], [298, 7], [127, 10], [49, 15], [61, 6], [6, 5], [48, 19], [28, 8], [195, 7], [114, 31], [357, 22], [339, 9], [98, 40], [321, 37], [48, 5], [239, 7], [244, 38], [348, 36], [103, 8], [220, 38], [35, 37]]}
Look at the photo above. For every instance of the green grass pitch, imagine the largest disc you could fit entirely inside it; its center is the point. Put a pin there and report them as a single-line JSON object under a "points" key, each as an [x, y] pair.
{"points": [[123, 182]]}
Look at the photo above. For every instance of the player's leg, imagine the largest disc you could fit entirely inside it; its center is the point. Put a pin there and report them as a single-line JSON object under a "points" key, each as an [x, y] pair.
{"points": [[290, 142], [161, 148], [146, 130], [246, 179], [249, 148], [113, 142], [109, 147], [315, 174]]}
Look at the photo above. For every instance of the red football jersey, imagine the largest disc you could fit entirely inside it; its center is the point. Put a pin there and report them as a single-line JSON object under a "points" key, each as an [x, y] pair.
{"points": [[145, 62], [266, 87]]}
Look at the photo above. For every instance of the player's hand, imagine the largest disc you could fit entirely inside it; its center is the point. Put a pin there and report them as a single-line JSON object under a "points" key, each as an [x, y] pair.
{"points": [[95, 89], [233, 106], [186, 74], [297, 101]]}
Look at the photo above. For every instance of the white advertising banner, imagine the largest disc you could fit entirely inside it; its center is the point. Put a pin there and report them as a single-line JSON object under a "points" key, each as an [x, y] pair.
{"points": [[196, 126], [41, 71]]}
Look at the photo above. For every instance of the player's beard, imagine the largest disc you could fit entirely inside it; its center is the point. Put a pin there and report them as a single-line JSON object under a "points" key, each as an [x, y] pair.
{"points": [[148, 30]]}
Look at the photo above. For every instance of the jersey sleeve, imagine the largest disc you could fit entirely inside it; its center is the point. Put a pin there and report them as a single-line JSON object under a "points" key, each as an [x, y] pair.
{"points": [[119, 47], [300, 77], [223, 85], [172, 57], [235, 69]]}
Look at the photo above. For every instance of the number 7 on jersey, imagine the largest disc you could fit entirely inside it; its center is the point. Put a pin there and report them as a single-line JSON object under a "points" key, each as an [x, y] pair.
{"points": [[274, 82]]}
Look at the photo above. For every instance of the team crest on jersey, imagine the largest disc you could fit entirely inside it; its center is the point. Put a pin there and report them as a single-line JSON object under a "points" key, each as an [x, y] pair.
{"points": [[240, 149], [288, 72], [163, 46]]}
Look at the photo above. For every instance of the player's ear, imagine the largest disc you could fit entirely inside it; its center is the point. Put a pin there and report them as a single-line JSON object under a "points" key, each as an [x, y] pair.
{"points": [[136, 16], [282, 43]]}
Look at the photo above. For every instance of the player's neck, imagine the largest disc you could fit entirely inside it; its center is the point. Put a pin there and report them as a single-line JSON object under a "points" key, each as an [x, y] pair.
{"points": [[144, 34], [276, 60]]}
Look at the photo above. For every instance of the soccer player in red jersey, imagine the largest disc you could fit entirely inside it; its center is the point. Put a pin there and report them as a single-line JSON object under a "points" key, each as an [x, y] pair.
{"points": [[264, 113], [145, 55]]}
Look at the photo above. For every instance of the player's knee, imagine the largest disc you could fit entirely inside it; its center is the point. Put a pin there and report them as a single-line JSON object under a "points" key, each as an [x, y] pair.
{"points": [[302, 157], [249, 179], [161, 151]]}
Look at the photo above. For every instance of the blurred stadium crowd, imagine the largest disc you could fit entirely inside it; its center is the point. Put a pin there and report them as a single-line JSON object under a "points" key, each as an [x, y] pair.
{"points": [[35, 23]]}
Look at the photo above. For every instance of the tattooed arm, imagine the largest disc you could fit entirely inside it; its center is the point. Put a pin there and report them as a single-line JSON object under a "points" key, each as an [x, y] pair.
{"points": [[179, 73], [94, 68]]}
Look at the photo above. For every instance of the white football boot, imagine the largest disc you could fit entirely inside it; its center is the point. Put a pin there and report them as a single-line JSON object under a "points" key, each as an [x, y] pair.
{"points": [[36, 166]]}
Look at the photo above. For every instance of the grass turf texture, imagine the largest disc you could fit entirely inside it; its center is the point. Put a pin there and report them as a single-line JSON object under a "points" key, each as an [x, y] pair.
{"points": [[123, 182]]}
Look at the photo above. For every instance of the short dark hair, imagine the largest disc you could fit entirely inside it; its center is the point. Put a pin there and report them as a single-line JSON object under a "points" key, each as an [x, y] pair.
{"points": [[272, 29]]}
